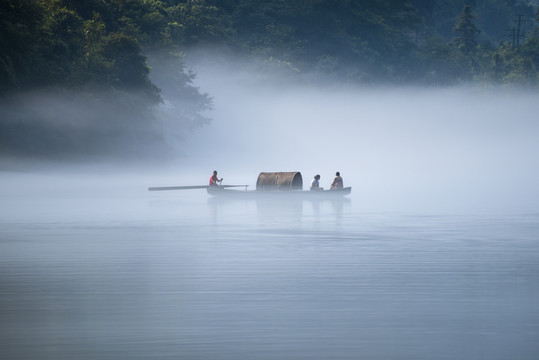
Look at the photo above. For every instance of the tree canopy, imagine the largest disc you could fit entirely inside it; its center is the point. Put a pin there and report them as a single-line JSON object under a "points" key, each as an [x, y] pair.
{"points": [[122, 51], [72, 43]]}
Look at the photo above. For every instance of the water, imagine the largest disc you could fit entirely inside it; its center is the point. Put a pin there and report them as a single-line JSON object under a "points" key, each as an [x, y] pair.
{"points": [[91, 273]]}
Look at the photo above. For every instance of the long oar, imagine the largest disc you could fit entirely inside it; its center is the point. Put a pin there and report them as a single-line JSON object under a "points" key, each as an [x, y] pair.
{"points": [[161, 188]]}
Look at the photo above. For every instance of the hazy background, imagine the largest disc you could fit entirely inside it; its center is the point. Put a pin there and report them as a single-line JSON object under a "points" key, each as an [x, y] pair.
{"points": [[400, 148], [459, 148]]}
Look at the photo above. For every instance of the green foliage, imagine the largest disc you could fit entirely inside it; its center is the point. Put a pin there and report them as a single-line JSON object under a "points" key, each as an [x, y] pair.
{"points": [[508, 66], [20, 33], [443, 64], [465, 26], [364, 39], [184, 105], [90, 54], [62, 47], [100, 42], [125, 66], [531, 47], [195, 22]]}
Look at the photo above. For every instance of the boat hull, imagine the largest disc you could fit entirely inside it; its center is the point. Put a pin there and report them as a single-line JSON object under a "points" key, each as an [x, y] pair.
{"points": [[293, 194]]}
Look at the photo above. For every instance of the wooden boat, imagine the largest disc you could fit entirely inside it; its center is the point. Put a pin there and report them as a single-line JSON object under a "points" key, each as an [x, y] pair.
{"points": [[279, 185], [269, 185], [278, 194]]}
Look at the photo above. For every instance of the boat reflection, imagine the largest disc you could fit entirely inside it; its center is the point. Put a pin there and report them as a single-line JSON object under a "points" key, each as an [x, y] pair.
{"points": [[282, 210]]}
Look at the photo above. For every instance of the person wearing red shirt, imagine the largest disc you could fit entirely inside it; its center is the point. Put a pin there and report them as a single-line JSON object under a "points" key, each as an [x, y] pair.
{"points": [[214, 179]]}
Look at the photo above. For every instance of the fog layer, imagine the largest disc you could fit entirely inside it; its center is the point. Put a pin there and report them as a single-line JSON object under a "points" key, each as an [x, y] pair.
{"points": [[457, 148], [400, 148]]}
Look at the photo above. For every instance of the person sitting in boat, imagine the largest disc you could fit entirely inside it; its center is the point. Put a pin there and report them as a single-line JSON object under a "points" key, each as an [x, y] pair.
{"points": [[315, 184], [214, 179], [337, 182]]}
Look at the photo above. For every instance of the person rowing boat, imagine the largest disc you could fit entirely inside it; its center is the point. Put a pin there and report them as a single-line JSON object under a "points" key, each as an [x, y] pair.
{"points": [[214, 179]]}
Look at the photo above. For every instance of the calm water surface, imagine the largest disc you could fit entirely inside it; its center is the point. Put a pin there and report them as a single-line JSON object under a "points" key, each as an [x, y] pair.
{"points": [[162, 276]]}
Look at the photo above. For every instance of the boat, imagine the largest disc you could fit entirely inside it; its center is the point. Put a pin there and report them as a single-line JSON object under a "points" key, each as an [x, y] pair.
{"points": [[281, 185], [278, 194], [269, 185]]}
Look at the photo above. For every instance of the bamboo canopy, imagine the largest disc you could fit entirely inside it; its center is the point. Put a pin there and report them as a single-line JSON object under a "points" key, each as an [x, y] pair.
{"points": [[279, 181]]}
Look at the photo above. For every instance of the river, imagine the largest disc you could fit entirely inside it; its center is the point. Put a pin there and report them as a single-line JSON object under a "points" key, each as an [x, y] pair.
{"points": [[132, 274]]}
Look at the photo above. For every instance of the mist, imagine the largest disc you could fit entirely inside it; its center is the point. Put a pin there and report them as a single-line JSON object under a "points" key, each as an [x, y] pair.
{"points": [[455, 149], [448, 149]]}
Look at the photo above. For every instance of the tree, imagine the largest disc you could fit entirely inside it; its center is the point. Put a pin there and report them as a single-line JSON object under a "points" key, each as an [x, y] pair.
{"points": [[530, 48], [195, 22], [20, 34], [83, 62], [465, 26], [441, 63], [62, 46], [126, 65]]}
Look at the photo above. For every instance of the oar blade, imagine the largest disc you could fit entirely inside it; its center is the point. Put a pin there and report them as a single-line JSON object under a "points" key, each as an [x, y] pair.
{"points": [[163, 188]]}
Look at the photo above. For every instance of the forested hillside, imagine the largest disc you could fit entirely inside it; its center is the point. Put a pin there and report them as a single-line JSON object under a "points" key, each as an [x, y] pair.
{"points": [[98, 55]]}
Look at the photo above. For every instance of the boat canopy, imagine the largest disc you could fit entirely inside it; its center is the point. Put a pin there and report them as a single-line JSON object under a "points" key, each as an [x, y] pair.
{"points": [[282, 181]]}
